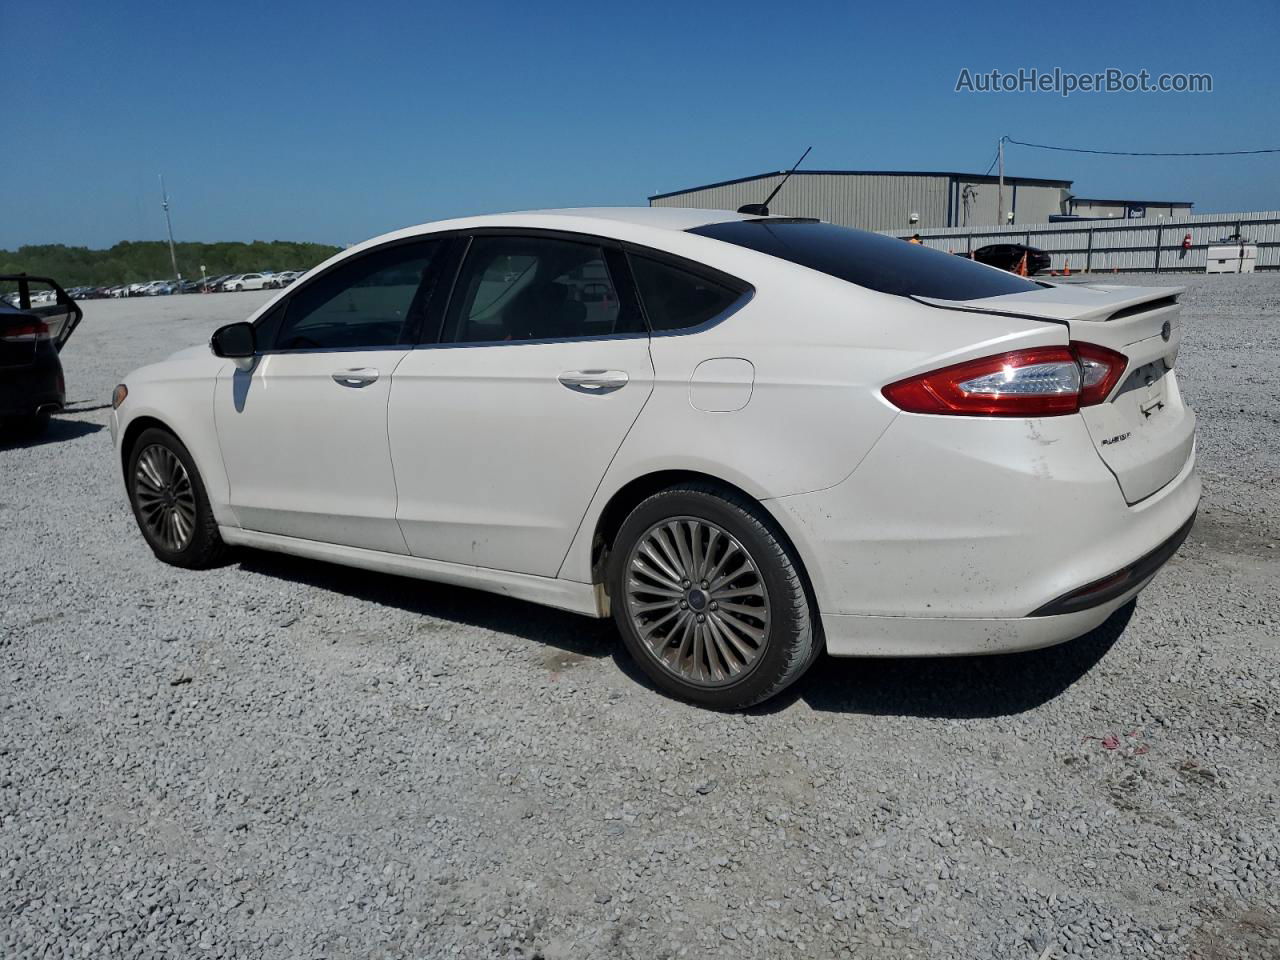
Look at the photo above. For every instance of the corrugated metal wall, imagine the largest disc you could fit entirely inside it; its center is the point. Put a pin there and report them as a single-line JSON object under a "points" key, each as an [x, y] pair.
{"points": [[876, 201], [1123, 245], [854, 200]]}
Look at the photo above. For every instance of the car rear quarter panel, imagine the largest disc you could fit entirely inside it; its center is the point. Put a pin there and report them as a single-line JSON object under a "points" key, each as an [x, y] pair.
{"points": [[822, 349]]}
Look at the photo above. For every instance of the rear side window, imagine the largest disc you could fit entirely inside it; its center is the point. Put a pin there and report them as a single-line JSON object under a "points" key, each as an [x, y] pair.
{"points": [[675, 299], [869, 259], [514, 288]]}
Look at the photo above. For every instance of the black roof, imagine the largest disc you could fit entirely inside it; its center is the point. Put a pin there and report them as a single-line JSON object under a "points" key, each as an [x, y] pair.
{"points": [[972, 177]]}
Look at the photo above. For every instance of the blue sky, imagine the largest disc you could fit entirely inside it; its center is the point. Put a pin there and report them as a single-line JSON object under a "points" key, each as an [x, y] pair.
{"points": [[336, 121]]}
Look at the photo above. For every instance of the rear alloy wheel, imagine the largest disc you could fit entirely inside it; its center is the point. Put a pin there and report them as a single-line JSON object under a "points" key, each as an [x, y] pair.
{"points": [[709, 598], [170, 504]]}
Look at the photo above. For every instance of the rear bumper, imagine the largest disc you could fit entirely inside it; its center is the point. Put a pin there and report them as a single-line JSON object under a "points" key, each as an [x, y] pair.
{"points": [[951, 535], [25, 391], [855, 636]]}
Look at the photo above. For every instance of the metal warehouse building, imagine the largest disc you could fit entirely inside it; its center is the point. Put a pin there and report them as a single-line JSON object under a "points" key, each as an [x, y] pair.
{"points": [[880, 200]]}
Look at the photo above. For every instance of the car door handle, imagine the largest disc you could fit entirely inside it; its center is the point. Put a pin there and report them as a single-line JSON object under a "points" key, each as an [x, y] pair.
{"points": [[356, 377], [594, 381]]}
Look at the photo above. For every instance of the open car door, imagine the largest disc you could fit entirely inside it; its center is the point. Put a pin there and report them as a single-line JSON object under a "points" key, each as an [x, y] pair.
{"points": [[44, 298]]}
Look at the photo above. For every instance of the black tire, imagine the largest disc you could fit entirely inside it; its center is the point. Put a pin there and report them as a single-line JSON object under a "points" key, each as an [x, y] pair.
{"points": [[792, 642], [205, 548]]}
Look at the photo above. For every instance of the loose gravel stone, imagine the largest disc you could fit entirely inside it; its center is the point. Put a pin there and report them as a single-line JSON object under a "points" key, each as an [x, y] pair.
{"points": [[281, 759]]}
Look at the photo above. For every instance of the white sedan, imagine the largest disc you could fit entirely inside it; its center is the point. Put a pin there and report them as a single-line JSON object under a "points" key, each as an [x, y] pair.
{"points": [[247, 281], [746, 438]]}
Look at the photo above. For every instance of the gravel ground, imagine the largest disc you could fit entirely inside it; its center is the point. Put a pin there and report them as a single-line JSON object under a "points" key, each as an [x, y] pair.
{"points": [[281, 759]]}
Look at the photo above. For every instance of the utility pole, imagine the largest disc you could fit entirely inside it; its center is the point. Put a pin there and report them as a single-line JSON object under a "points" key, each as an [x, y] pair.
{"points": [[164, 202], [1000, 190]]}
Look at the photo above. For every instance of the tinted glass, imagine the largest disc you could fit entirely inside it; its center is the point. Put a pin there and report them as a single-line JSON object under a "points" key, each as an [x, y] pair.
{"points": [[676, 299], [535, 288], [366, 302], [870, 260]]}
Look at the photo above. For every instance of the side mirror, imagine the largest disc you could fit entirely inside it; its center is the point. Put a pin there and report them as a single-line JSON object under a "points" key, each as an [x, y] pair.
{"points": [[235, 341]]}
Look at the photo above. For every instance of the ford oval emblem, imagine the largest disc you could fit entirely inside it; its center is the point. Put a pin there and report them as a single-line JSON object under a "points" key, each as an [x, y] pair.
{"points": [[1166, 331]]}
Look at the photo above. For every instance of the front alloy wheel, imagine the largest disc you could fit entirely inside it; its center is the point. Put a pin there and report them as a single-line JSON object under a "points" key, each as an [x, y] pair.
{"points": [[165, 498], [170, 503]]}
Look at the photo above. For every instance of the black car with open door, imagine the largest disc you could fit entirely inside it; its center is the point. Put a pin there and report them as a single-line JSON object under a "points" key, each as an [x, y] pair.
{"points": [[37, 317]]}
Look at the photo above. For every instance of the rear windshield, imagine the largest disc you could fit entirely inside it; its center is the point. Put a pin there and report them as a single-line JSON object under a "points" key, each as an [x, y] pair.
{"points": [[870, 259]]}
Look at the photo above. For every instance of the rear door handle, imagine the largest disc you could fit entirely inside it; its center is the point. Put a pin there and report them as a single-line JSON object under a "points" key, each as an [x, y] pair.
{"points": [[356, 377], [594, 381]]}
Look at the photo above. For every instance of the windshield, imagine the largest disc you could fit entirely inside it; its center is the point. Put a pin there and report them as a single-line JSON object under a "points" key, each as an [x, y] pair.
{"points": [[870, 260]]}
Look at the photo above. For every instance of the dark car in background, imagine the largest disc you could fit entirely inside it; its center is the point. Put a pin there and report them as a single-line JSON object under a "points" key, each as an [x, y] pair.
{"points": [[37, 317], [1007, 256]]}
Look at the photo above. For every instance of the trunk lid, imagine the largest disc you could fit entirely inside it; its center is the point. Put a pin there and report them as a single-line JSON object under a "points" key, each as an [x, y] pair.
{"points": [[1143, 432]]}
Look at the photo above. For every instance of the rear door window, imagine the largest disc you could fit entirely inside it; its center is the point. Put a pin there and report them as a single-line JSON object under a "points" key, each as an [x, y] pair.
{"points": [[678, 299], [870, 260], [514, 288]]}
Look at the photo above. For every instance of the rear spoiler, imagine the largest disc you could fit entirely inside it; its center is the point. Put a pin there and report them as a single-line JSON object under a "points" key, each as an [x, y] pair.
{"points": [[63, 302], [1069, 301]]}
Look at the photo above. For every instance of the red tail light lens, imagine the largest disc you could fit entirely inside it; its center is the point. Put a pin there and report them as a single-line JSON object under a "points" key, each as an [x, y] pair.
{"points": [[1039, 382], [1100, 371], [25, 330]]}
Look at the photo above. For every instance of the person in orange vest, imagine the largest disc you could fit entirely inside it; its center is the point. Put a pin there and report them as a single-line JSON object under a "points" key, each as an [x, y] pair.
{"points": [[1186, 244], [915, 238]]}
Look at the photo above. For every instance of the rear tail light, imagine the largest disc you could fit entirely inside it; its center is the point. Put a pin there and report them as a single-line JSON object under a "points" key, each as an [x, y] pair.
{"points": [[1100, 371], [1039, 382], [25, 330]]}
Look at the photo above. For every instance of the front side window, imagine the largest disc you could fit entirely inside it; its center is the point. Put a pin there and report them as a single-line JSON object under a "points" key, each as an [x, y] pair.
{"points": [[676, 299], [535, 288], [372, 300], [870, 260]]}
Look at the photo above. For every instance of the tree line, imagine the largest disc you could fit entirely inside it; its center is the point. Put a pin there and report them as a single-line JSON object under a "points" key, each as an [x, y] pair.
{"points": [[134, 262]]}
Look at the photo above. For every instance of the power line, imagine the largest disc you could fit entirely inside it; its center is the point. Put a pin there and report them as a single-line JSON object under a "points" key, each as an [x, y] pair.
{"points": [[994, 161], [1142, 153]]}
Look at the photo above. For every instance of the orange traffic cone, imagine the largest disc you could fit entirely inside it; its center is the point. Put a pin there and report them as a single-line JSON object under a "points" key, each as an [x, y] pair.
{"points": [[1022, 266], [1067, 270]]}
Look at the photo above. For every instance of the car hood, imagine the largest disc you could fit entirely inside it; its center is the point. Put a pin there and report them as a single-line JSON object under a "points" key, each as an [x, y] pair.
{"points": [[190, 363]]}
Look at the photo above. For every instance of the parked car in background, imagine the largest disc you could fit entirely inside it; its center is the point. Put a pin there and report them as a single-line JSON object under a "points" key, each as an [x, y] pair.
{"points": [[986, 463], [282, 279], [1007, 256], [36, 320], [247, 281]]}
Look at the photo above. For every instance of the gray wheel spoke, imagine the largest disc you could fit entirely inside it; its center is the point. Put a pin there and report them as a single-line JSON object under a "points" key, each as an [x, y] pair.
{"points": [[713, 540], [652, 555], [639, 587], [751, 633], [697, 634], [712, 574], [754, 590], [739, 608], [729, 641], [680, 536]]}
